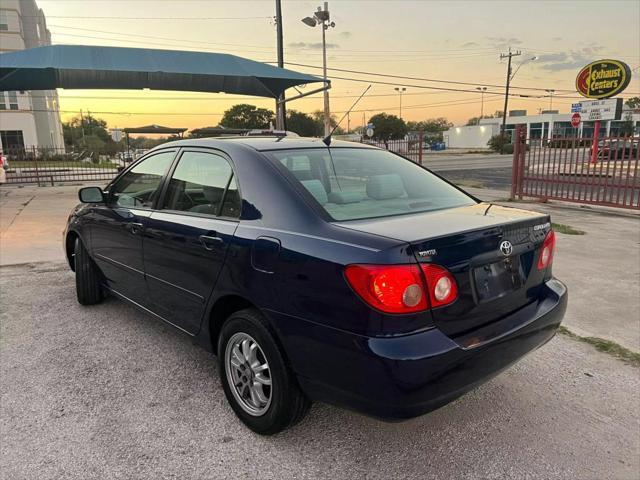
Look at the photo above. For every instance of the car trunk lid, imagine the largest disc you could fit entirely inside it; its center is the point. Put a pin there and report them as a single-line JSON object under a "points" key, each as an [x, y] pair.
{"points": [[492, 281]]}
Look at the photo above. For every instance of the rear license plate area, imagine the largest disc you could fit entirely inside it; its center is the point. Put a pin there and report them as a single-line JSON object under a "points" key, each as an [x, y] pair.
{"points": [[498, 279]]}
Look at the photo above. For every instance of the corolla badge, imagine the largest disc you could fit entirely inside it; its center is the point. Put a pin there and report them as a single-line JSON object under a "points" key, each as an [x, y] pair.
{"points": [[506, 248]]}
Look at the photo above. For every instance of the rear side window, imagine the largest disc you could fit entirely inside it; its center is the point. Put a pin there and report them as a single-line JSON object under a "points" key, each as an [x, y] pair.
{"points": [[203, 183], [356, 183]]}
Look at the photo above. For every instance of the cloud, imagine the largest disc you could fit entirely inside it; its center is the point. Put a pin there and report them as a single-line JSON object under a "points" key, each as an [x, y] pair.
{"points": [[311, 46], [557, 39], [504, 42], [345, 34], [468, 44], [569, 60]]}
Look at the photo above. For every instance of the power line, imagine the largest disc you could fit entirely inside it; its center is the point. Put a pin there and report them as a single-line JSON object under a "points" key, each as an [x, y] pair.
{"points": [[94, 17], [422, 79], [267, 50]]}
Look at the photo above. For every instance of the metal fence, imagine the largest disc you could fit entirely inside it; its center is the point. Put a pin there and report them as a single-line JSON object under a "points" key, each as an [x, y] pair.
{"points": [[578, 169], [412, 148], [51, 166]]}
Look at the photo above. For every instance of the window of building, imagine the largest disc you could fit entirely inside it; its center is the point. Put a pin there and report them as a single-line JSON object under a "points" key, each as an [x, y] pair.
{"points": [[13, 100], [3, 101], [12, 141], [4, 21]]}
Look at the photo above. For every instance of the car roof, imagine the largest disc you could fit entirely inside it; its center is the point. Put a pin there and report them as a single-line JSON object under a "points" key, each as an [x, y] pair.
{"points": [[263, 143]]}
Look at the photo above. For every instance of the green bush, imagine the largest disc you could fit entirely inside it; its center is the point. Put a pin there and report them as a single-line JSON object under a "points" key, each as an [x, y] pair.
{"points": [[498, 142]]}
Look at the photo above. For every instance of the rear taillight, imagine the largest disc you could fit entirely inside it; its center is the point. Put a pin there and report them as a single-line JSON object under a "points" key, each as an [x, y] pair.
{"points": [[402, 288], [390, 288], [546, 253], [442, 287]]}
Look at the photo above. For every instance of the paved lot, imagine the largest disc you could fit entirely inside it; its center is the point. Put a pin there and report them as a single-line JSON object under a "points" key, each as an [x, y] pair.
{"points": [[107, 392]]}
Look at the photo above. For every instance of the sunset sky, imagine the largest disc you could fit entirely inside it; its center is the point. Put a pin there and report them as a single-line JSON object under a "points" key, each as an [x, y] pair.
{"points": [[456, 41]]}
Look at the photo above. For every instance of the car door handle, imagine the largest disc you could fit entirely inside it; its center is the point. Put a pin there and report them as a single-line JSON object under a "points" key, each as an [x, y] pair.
{"points": [[135, 228], [209, 242]]}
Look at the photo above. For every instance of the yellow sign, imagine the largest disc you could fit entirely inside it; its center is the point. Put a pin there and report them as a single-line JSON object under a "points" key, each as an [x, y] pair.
{"points": [[603, 79]]}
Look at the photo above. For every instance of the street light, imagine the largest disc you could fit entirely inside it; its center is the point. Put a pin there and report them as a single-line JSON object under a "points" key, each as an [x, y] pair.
{"points": [[400, 90], [550, 91], [321, 17], [524, 62], [482, 90]]}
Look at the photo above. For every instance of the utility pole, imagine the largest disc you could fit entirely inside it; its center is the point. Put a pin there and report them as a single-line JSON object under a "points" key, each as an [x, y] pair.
{"points": [[506, 92], [281, 107], [82, 127]]}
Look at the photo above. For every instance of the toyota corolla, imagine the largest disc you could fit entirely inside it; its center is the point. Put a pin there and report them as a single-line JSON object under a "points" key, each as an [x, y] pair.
{"points": [[342, 274]]}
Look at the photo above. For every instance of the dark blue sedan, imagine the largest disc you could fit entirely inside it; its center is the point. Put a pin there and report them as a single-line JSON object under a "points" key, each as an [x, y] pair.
{"points": [[347, 275]]}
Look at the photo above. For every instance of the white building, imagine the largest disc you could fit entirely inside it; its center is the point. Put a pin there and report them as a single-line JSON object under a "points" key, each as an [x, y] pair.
{"points": [[27, 119], [539, 127]]}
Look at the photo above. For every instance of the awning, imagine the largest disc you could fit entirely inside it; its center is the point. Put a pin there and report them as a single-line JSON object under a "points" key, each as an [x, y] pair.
{"points": [[89, 67], [155, 129]]}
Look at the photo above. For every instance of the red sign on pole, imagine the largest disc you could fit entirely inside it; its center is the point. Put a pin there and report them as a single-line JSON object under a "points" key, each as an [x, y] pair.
{"points": [[575, 120]]}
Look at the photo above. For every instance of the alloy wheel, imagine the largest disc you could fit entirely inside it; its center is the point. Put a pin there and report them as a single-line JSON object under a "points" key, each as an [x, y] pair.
{"points": [[248, 374]]}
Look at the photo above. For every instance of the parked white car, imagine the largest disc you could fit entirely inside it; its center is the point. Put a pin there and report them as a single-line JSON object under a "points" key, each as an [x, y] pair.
{"points": [[3, 165]]}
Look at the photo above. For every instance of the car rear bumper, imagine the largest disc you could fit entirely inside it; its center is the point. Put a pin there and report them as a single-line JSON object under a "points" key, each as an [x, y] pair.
{"points": [[407, 376]]}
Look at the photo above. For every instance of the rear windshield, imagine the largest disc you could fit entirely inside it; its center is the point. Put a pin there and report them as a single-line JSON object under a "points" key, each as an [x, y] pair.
{"points": [[355, 183]]}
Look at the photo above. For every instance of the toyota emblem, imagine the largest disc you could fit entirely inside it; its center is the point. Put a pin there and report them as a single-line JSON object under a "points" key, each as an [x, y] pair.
{"points": [[506, 248]]}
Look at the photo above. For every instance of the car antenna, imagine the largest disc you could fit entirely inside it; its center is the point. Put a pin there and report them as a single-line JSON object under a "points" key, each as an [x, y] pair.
{"points": [[327, 139]]}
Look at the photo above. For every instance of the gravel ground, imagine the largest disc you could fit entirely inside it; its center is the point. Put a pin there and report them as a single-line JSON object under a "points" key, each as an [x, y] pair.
{"points": [[107, 392]]}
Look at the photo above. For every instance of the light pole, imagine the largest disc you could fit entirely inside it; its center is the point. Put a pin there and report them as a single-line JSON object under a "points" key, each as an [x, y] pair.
{"points": [[482, 90], [550, 91], [400, 90], [321, 17]]}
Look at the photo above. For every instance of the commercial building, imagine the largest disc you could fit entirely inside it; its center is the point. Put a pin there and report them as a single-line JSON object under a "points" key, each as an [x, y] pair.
{"points": [[544, 126], [27, 119]]}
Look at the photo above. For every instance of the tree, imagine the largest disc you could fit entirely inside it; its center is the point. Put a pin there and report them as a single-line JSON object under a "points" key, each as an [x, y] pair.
{"points": [[244, 115], [633, 102], [318, 117], [388, 127], [476, 120], [303, 124], [76, 130], [432, 127]]}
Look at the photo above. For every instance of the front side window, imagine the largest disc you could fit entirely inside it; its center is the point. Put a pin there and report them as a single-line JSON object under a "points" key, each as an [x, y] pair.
{"points": [[355, 183], [203, 183], [139, 187]]}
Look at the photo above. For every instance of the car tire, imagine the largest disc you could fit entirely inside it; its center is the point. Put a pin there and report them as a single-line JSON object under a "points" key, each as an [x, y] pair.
{"points": [[279, 405], [88, 278]]}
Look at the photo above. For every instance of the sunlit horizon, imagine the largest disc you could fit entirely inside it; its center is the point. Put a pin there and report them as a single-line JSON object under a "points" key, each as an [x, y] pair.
{"points": [[452, 42]]}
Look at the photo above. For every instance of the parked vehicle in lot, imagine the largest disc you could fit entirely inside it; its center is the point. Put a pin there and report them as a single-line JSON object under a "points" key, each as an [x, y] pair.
{"points": [[3, 165], [618, 149], [348, 274]]}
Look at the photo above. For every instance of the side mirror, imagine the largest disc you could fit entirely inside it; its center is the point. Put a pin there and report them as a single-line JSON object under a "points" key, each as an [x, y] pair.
{"points": [[119, 168], [91, 195]]}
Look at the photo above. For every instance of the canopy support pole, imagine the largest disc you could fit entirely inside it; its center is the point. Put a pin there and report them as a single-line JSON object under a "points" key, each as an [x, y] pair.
{"points": [[306, 94]]}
